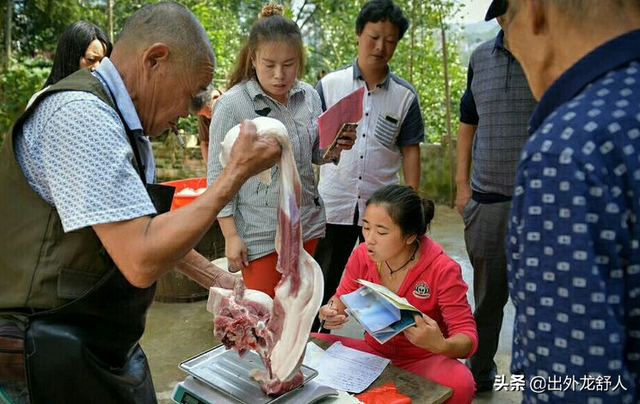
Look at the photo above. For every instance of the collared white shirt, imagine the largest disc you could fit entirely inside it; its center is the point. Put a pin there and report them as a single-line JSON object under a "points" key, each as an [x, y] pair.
{"points": [[391, 119]]}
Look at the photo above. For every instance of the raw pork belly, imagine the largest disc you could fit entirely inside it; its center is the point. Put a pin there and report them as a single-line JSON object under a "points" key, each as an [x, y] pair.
{"points": [[241, 322], [277, 330]]}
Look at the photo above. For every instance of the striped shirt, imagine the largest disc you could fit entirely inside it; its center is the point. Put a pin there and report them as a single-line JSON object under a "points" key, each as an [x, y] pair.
{"points": [[498, 100], [254, 208]]}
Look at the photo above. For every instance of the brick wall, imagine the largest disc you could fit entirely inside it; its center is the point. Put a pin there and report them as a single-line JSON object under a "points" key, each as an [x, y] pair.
{"points": [[174, 163]]}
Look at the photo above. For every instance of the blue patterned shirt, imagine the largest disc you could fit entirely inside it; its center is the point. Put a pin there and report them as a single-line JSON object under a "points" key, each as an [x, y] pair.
{"points": [[573, 244], [75, 154]]}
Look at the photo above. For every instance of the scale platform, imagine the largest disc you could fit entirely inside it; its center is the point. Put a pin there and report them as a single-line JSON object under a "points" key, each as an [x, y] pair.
{"points": [[221, 376]]}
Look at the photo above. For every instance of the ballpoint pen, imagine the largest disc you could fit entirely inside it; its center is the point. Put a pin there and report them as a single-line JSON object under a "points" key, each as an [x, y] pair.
{"points": [[322, 322]]}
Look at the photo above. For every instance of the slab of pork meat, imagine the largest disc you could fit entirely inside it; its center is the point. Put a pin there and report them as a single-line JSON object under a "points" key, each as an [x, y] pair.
{"points": [[241, 324], [278, 332]]}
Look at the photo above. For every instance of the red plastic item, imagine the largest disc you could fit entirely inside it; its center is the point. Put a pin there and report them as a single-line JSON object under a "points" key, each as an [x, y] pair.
{"points": [[193, 183], [385, 394]]}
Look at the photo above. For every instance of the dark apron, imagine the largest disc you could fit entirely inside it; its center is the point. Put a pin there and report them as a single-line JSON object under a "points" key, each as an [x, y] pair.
{"points": [[87, 351]]}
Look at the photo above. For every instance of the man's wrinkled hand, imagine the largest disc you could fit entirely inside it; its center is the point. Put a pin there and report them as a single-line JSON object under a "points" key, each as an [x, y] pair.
{"points": [[463, 195], [251, 153], [223, 279]]}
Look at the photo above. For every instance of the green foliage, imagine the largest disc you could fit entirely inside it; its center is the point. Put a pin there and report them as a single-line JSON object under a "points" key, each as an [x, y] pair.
{"points": [[328, 28], [38, 23], [421, 63], [333, 39], [18, 82], [225, 34]]}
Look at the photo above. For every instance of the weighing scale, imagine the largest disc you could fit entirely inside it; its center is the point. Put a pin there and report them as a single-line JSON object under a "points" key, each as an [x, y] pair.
{"points": [[221, 376]]}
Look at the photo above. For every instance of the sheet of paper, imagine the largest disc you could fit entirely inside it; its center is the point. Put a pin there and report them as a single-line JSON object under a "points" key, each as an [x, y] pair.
{"points": [[313, 356], [348, 369], [400, 302], [347, 110]]}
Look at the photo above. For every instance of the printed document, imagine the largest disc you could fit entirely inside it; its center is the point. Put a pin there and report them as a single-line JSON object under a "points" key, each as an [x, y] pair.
{"points": [[344, 368]]}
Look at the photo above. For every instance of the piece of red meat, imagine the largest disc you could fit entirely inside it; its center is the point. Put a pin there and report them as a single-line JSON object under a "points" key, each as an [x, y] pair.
{"points": [[277, 330]]}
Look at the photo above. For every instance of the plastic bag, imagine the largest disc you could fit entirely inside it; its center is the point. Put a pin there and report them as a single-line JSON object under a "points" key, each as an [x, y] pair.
{"points": [[385, 394]]}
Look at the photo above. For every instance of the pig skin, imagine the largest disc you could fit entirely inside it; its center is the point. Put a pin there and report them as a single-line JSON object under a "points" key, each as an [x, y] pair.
{"points": [[277, 330]]}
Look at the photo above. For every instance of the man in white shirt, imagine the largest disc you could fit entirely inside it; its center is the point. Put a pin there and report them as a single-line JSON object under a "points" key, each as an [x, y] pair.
{"points": [[388, 135]]}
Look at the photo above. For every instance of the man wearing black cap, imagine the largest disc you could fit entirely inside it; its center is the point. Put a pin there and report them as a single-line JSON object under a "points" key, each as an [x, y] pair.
{"points": [[496, 9], [494, 112], [573, 246]]}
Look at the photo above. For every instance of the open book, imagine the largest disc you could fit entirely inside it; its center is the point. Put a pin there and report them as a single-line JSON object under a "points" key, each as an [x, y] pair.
{"points": [[380, 311]]}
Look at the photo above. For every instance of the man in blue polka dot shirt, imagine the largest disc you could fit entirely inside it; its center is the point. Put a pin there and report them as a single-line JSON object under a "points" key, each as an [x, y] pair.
{"points": [[573, 245]]}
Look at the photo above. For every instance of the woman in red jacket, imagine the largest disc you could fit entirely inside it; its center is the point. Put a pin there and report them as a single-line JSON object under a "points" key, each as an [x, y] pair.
{"points": [[398, 255]]}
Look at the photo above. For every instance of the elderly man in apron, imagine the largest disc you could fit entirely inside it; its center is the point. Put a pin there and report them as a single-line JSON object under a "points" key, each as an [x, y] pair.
{"points": [[84, 235]]}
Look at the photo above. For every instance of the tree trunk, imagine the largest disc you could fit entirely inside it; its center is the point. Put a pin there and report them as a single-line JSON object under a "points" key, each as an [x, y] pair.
{"points": [[447, 94], [7, 30], [110, 19], [413, 39]]}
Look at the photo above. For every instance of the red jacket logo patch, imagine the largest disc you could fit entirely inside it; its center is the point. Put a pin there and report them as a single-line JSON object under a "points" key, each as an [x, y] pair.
{"points": [[422, 290]]}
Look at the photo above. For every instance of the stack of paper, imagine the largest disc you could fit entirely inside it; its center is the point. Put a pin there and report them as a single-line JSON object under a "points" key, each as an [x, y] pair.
{"points": [[380, 311], [344, 368]]}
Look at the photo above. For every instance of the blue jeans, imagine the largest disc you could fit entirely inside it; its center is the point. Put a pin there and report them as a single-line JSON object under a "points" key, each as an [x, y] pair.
{"points": [[13, 392]]}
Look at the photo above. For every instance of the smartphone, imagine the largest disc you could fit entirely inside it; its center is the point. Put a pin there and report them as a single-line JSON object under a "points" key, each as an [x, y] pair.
{"points": [[346, 127]]}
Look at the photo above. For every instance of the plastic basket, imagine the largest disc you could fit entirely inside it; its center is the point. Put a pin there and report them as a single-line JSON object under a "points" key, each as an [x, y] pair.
{"points": [[193, 183]]}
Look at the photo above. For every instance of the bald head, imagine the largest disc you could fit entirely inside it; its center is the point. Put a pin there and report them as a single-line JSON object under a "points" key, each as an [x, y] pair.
{"points": [[164, 58], [550, 36], [171, 24], [601, 12]]}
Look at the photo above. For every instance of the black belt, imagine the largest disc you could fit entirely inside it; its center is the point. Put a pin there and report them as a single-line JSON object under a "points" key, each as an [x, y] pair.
{"points": [[489, 198]]}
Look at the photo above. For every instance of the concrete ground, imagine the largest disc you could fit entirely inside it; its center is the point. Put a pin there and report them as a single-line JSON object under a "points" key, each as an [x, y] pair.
{"points": [[177, 331]]}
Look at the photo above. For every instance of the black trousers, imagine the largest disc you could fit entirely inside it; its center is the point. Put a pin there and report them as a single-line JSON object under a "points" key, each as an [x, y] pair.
{"points": [[485, 233]]}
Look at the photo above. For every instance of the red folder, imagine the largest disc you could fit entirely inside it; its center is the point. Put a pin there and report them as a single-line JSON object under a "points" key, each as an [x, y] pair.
{"points": [[347, 110]]}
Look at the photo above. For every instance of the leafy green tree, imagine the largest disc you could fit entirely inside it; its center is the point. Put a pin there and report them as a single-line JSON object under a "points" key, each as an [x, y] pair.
{"points": [[38, 23], [18, 82], [328, 27]]}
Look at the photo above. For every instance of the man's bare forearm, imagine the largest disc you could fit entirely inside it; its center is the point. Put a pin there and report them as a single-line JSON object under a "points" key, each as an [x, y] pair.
{"points": [[464, 144], [198, 268], [145, 248]]}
